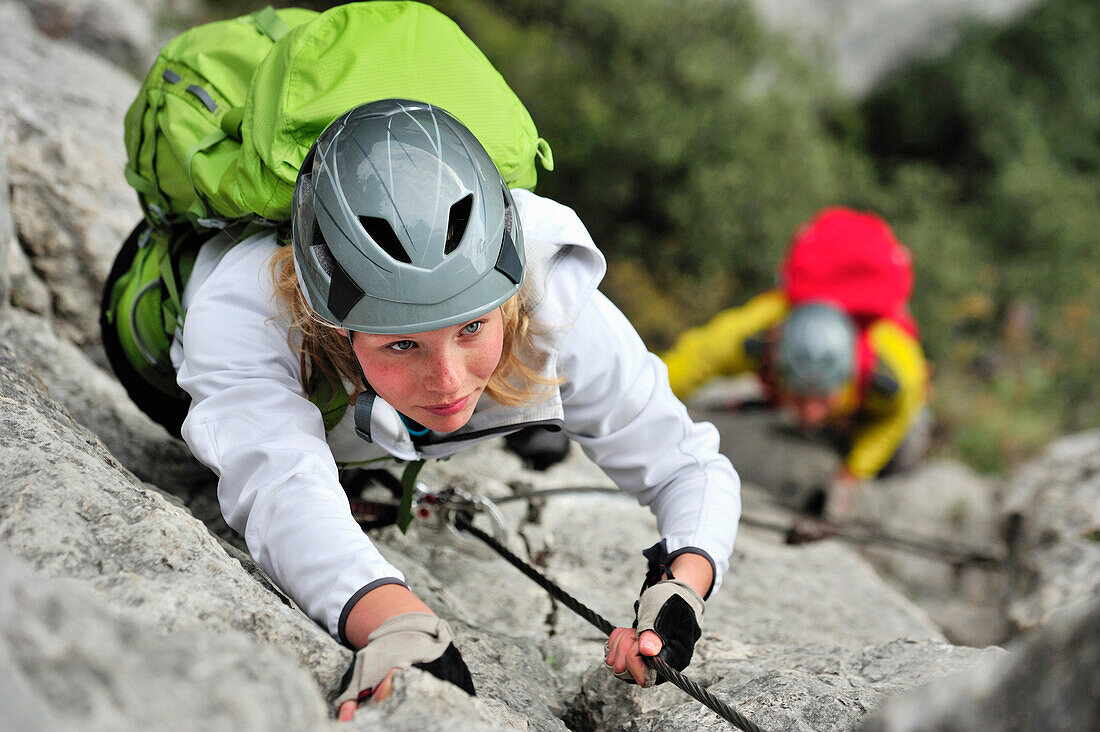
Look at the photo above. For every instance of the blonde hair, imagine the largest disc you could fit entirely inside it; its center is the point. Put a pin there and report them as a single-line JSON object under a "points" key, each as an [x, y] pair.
{"points": [[325, 351]]}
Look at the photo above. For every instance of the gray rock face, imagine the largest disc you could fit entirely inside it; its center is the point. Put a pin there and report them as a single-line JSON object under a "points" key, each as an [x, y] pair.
{"points": [[71, 510], [97, 401], [26, 290], [117, 30], [8, 243], [943, 505], [422, 702], [939, 505], [1053, 527], [69, 201], [69, 662], [1047, 682], [780, 665], [812, 689], [770, 451], [865, 40], [788, 623]]}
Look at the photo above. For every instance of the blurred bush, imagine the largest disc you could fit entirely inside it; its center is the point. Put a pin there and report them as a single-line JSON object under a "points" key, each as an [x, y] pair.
{"points": [[1012, 118]]}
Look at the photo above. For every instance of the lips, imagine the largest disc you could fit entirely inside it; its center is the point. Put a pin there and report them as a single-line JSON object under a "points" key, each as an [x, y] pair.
{"points": [[446, 410]]}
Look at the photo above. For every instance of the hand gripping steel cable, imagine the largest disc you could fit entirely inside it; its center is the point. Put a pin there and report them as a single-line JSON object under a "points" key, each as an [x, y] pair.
{"points": [[463, 521], [453, 508]]}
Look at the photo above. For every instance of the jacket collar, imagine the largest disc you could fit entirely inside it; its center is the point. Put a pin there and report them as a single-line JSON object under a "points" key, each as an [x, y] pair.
{"points": [[379, 423]]}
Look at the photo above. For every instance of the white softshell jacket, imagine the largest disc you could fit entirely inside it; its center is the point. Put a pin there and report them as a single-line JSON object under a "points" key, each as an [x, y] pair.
{"points": [[251, 422]]}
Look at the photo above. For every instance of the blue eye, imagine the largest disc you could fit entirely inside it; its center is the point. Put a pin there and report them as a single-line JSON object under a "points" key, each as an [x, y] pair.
{"points": [[401, 345], [471, 328]]}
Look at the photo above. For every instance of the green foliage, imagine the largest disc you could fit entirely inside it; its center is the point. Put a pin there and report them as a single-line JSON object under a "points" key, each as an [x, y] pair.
{"points": [[1012, 117]]}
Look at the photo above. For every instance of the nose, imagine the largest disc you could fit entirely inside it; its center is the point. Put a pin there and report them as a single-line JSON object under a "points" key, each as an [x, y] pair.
{"points": [[812, 412], [445, 372]]}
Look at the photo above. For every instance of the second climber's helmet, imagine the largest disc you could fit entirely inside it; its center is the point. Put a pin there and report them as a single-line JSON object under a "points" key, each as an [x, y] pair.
{"points": [[402, 223], [817, 349]]}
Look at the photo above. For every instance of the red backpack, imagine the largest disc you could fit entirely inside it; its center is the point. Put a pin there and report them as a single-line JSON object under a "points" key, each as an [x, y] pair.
{"points": [[853, 260]]}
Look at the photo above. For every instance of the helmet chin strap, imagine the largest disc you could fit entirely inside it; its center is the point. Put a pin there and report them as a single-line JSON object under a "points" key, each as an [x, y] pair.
{"points": [[364, 403]]}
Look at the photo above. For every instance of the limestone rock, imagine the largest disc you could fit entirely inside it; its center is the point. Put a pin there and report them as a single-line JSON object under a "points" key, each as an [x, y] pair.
{"points": [[69, 202], [8, 243], [26, 288], [769, 451], [117, 30], [814, 688], [763, 648], [864, 40], [422, 702], [69, 509], [1052, 508], [1047, 681], [96, 400], [69, 662], [936, 504], [941, 505]]}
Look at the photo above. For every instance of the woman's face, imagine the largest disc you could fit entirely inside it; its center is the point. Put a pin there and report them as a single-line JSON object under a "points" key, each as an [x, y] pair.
{"points": [[812, 411], [434, 377]]}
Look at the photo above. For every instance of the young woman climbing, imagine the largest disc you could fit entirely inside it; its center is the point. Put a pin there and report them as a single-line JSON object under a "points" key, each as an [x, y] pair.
{"points": [[453, 310]]}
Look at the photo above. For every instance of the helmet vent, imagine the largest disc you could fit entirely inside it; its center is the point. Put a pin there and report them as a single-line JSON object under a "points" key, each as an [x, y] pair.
{"points": [[305, 189], [456, 224], [383, 235], [320, 250], [508, 261], [509, 215]]}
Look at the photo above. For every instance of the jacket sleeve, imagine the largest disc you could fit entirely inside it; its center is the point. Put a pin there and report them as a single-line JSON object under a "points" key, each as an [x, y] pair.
{"points": [[252, 424], [717, 348], [620, 409], [888, 417]]}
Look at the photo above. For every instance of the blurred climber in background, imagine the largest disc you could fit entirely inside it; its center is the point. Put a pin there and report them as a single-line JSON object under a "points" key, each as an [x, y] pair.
{"points": [[834, 345]]}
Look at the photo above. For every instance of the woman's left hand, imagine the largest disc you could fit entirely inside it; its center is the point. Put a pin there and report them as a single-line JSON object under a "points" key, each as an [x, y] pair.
{"points": [[840, 504], [671, 610], [624, 651]]}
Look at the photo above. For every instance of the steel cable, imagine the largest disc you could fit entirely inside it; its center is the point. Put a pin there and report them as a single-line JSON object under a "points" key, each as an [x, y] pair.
{"points": [[719, 707], [858, 532]]}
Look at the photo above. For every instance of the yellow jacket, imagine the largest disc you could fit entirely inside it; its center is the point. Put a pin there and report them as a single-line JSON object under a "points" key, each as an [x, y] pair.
{"points": [[878, 409]]}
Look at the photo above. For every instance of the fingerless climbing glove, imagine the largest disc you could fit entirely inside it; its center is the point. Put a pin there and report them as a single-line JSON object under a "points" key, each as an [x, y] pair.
{"points": [[674, 611], [420, 640]]}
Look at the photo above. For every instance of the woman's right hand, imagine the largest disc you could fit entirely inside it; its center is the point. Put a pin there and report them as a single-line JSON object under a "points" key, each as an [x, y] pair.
{"points": [[347, 709], [416, 639]]}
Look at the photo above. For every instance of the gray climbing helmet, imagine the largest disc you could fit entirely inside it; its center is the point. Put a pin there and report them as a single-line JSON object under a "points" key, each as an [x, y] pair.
{"points": [[402, 223], [817, 349]]}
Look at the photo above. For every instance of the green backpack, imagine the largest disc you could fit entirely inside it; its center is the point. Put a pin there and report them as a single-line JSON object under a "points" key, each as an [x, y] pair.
{"points": [[222, 123]]}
